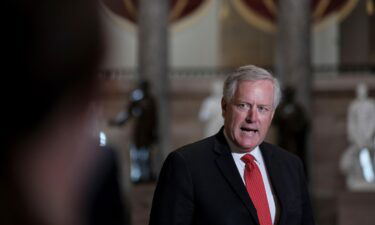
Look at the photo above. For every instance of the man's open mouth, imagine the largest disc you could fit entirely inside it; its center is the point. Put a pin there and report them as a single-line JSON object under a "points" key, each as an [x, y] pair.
{"points": [[247, 129]]}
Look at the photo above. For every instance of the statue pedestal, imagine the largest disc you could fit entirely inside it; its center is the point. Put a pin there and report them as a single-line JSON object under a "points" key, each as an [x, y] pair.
{"points": [[356, 208]]}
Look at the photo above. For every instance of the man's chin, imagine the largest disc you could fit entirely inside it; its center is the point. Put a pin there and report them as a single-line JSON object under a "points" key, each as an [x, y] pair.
{"points": [[247, 147]]}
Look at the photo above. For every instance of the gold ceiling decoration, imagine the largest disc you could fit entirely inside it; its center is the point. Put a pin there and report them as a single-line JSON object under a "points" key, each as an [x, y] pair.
{"points": [[181, 12], [263, 13]]}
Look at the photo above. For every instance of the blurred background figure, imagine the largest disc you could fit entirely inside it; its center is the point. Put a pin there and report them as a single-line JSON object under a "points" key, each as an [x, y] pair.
{"points": [[358, 161], [292, 125], [50, 154], [104, 197], [141, 108], [210, 111]]}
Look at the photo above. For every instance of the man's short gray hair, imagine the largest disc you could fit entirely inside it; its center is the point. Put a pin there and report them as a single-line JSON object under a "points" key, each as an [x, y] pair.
{"points": [[250, 73]]}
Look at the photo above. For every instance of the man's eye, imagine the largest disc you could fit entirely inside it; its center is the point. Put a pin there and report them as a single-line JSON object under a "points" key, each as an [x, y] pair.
{"points": [[263, 109], [242, 105]]}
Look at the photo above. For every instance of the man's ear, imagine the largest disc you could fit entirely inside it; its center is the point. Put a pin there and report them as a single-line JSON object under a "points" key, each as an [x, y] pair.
{"points": [[223, 106]]}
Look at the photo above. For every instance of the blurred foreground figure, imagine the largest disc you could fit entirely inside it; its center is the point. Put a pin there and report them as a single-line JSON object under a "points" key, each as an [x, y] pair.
{"points": [[141, 108], [50, 147], [358, 161]]}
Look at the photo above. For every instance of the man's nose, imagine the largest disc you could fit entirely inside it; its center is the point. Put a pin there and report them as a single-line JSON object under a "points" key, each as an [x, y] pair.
{"points": [[252, 115]]}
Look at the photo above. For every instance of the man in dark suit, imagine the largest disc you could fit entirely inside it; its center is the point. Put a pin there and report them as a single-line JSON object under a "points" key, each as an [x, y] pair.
{"points": [[234, 177]]}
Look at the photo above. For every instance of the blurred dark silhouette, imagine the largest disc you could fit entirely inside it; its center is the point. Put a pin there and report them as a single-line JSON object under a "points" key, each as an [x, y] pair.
{"points": [[49, 150], [105, 203], [142, 108], [292, 125]]}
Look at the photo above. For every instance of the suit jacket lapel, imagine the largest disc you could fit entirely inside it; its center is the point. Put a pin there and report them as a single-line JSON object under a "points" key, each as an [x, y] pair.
{"points": [[274, 169], [229, 170]]}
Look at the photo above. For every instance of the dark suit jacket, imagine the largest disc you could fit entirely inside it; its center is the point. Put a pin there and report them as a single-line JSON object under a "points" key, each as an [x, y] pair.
{"points": [[200, 184]]}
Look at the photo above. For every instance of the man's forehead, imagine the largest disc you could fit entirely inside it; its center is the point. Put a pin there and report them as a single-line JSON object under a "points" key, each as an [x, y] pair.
{"points": [[261, 90], [249, 85], [255, 81]]}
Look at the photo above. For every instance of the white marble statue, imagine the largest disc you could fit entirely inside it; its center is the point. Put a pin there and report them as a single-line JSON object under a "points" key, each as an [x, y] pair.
{"points": [[210, 111], [358, 161]]}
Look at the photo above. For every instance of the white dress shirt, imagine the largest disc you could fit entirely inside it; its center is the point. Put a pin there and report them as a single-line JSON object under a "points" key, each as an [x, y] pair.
{"points": [[237, 154]]}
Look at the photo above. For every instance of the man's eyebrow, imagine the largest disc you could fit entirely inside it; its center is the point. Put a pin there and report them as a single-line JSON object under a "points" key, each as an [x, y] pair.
{"points": [[266, 105]]}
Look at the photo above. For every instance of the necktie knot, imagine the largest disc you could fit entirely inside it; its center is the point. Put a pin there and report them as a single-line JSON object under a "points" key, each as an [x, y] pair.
{"points": [[248, 159]]}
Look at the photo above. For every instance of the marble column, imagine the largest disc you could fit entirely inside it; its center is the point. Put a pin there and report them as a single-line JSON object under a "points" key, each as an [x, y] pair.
{"points": [[292, 56], [153, 64]]}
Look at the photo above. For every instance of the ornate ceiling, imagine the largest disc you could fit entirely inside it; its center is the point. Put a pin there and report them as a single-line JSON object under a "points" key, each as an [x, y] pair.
{"points": [[260, 13]]}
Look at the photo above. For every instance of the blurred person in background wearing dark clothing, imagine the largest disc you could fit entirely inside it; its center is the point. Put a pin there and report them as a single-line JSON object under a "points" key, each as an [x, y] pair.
{"points": [[142, 108], [293, 125], [49, 153], [104, 197]]}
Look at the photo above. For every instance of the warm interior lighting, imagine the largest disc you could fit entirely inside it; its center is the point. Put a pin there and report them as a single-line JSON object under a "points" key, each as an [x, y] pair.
{"points": [[370, 7]]}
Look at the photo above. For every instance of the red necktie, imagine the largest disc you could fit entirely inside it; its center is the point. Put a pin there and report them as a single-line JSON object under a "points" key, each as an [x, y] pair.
{"points": [[256, 190]]}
